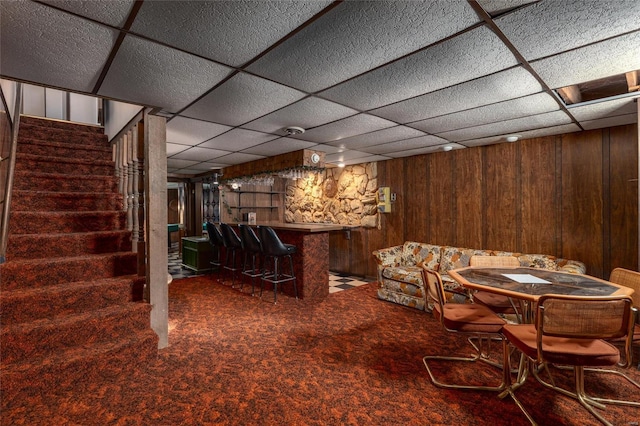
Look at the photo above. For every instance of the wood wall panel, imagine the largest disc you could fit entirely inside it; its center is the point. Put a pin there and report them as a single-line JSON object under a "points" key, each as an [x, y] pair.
{"points": [[623, 198], [539, 221], [581, 199], [394, 222], [499, 195], [417, 198], [440, 209], [467, 188]]}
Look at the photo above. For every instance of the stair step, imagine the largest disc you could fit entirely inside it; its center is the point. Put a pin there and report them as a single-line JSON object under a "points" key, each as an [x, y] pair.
{"points": [[64, 201], [68, 367], [30, 180], [63, 149], [45, 336], [23, 222], [61, 124], [71, 166], [25, 304], [38, 246], [53, 134], [51, 271]]}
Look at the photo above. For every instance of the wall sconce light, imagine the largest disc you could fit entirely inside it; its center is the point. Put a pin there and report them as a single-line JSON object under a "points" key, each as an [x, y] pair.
{"points": [[512, 138]]}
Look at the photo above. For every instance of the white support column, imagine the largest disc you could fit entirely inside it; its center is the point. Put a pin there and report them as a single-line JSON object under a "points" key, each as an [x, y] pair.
{"points": [[155, 167]]}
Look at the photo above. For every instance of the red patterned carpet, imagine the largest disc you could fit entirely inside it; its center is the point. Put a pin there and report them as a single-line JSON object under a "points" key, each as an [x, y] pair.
{"points": [[350, 360]]}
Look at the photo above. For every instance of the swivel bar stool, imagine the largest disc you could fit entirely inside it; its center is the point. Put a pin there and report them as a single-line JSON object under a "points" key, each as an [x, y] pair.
{"points": [[273, 249], [251, 249], [232, 244], [217, 243]]}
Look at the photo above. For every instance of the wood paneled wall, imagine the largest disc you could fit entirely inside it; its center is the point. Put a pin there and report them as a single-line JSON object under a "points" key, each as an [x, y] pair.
{"points": [[573, 196]]}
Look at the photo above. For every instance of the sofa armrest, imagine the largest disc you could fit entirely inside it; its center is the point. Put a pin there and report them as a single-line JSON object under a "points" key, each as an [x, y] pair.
{"points": [[390, 256], [572, 266]]}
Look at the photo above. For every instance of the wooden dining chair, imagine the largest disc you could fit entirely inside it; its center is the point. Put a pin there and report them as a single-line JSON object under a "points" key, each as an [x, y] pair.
{"points": [[464, 318], [571, 331]]}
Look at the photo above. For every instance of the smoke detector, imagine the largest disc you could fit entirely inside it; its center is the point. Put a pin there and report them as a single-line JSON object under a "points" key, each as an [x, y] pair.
{"points": [[292, 131]]}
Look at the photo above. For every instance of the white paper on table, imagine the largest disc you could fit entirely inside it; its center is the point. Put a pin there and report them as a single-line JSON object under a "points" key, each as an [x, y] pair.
{"points": [[526, 279]]}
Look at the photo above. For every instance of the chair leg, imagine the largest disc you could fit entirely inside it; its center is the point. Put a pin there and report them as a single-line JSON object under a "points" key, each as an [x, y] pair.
{"points": [[511, 387]]}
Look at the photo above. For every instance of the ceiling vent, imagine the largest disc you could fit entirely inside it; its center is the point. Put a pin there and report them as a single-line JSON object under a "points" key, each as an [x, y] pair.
{"points": [[292, 131]]}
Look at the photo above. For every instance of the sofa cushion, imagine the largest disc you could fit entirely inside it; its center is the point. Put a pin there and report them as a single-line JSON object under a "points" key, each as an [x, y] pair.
{"points": [[403, 287], [401, 298], [407, 274], [538, 261], [456, 257], [414, 254]]}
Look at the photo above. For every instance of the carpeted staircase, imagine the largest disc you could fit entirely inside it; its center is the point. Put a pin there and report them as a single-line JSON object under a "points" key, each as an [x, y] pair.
{"points": [[70, 299]]}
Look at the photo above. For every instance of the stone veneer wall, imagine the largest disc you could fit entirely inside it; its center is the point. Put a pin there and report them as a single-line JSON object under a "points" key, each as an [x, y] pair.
{"points": [[339, 195]]}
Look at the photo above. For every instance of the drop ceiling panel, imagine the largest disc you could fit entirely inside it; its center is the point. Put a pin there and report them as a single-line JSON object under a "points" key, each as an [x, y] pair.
{"points": [[347, 127], [241, 99], [535, 133], [618, 120], [112, 12], [424, 150], [497, 87], [611, 57], [306, 113], [155, 75], [202, 167], [549, 27], [345, 156], [465, 57], [173, 148], [375, 138], [326, 148], [394, 147], [238, 158], [367, 159], [52, 47], [279, 146], [200, 154], [510, 126], [514, 108], [493, 7], [239, 139], [187, 131], [355, 37], [604, 109], [232, 32], [175, 163]]}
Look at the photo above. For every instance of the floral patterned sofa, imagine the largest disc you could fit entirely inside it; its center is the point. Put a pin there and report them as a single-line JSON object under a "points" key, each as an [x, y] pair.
{"points": [[400, 279]]}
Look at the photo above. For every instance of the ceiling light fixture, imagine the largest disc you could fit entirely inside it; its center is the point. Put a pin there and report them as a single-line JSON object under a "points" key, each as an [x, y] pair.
{"points": [[294, 130], [447, 148], [512, 138], [340, 164]]}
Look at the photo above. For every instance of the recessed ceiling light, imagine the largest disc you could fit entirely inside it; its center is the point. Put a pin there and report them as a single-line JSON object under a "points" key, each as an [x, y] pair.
{"points": [[293, 130], [340, 164], [447, 148], [512, 138]]}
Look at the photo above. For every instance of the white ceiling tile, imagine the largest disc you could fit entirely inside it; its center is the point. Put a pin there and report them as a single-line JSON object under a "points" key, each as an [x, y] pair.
{"points": [[338, 157], [242, 98], [51, 47], [238, 158], [187, 131], [361, 160], [347, 40], [611, 57], [326, 148], [347, 127], [203, 167], [497, 87], [461, 58], [232, 32], [393, 147], [238, 140], [510, 126], [179, 164], [493, 7], [112, 12], [550, 27], [173, 148], [529, 134], [618, 120], [375, 138], [514, 108], [279, 146], [424, 150], [200, 154], [306, 113], [155, 75], [604, 109]]}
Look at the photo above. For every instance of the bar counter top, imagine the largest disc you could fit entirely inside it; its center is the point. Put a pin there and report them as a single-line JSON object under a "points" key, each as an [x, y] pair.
{"points": [[302, 227]]}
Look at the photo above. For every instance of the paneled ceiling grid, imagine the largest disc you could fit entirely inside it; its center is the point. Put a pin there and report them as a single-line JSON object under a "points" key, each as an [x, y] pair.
{"points": [[367, 80]]}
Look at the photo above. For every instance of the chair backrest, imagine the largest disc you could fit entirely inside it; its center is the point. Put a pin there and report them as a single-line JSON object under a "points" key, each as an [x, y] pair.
{"points": [[435, 290], [248, 238], [215, 237], [629, 279], [583, 317], [270, 243], [493, 261], [229, 236]]}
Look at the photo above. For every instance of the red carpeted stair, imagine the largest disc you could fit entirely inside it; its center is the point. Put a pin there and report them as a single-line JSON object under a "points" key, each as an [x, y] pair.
{"points": [[70, 299]]}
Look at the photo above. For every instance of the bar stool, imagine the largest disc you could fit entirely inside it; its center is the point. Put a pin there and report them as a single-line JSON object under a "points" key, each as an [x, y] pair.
{"points": [[217, 243], [274, 249], [251, 249], [232, 244]]}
